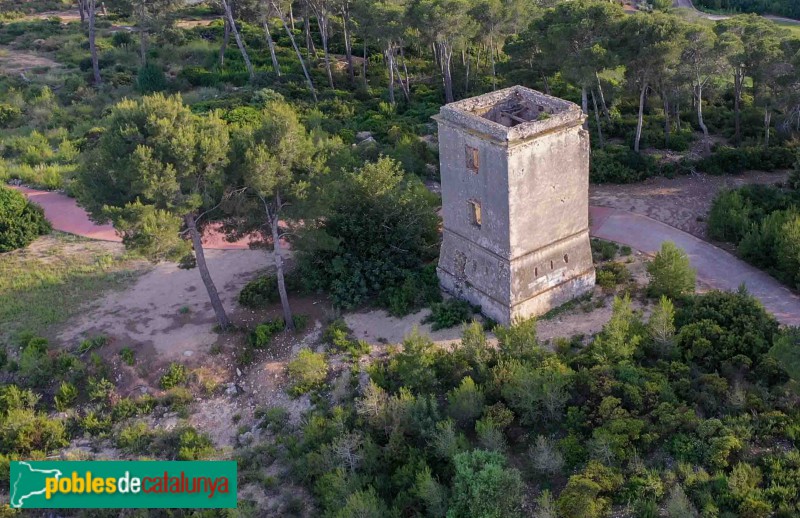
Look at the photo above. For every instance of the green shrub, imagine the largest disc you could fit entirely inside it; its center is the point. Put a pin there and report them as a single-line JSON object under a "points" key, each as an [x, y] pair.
{"points": [[670, 272], [127, 355], [484, 486], [263, 333], [418, 289], [260, 292], [603, 250], [737, 160], [307, 371], [9, 115], [450, 313], [612, 274], [135, 439], [151, 79], [176, 375], [91, 344], [465, 403], [337, 334], [65, 396], [20, 221]]}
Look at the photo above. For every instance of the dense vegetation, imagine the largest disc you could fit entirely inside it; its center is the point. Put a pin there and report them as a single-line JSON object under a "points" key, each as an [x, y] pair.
{"points": [[686, 411], [21, 221], [764, 224], [788, 8]]}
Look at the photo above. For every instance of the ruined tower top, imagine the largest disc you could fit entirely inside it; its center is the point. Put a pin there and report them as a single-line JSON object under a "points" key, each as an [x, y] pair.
{"points": [[512, 114]]}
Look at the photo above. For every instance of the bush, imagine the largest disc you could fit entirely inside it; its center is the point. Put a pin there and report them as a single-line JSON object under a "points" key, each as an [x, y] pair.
{"points": [[65, 397], [418, 289], [176, 375], [307, 372], [263, 333], [450, 313], [612, 274], [484, 487], [260, 292], [9, 115], [20, 221], [603, 250], [737, 160], [465, 403], [151, 79], [670, 272]]}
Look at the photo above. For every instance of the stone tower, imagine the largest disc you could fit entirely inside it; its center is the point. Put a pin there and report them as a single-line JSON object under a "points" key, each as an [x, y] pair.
{"points": [[515, 202]]}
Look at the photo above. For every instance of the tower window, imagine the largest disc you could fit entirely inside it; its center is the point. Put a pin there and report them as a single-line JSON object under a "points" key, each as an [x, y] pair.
{"points": [[475, 211], [552, 265], [566, 258], [473, 159]]}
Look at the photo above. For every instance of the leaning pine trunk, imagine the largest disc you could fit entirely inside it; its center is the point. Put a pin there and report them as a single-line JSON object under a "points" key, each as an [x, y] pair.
{"points": [[602, 97], [390, 63], [82, 11], [197, 243], [767, 125], [446, 59], [225, 39], [348, 50], [642, 97], [706, 143], [322, 23], [92, 46], [271, 44], [494, 71], [297, 51], [276, 240], [738, 82], [142, 37], [597, 121], [585, 106], [666, 119], [238, 39]]}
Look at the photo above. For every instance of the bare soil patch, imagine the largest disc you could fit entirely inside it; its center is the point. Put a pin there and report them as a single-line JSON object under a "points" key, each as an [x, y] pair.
{"points": [[681, 202], [15, 62]]}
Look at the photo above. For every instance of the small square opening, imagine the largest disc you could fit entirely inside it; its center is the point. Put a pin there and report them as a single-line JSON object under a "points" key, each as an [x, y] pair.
{"points": [[475, 212], [473, 159]]}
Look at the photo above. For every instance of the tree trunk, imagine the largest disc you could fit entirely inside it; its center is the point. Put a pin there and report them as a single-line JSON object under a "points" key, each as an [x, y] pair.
{"points": [[585, 106], [225, 39], [291, 16], [666, 118], [142, 34], [466, 76], [403, 85], [447, 58], [597, 121], [389, 60], [197, 243], [640, 122], [348, 49], [92, 46], [238, 38], [678, 114], [494, 72], [602, 97], [767, 125], [310, 48], [271, 44], [364, 66], [546, 83], [322, 23], [277, 251], [699, 91], [82, 11], [405, 70], [296, 51], [738, 81]]}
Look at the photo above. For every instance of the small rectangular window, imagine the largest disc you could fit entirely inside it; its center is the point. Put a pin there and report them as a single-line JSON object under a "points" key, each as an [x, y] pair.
{"points": [[473, 159], [475, 208]]}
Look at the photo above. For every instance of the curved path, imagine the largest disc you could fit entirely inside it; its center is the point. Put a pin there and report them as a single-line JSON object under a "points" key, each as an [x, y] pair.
{"points": [[66, 216], [715, 267], [688, 4]]}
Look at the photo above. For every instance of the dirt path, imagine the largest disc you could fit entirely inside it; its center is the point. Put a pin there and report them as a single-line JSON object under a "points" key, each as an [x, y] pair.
{"points": [[65, 215], [681, 202], [687, 4], [715, 267]]}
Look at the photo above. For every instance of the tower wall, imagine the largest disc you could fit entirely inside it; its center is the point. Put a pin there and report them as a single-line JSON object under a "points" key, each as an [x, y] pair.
{"points": [[528, 251]]}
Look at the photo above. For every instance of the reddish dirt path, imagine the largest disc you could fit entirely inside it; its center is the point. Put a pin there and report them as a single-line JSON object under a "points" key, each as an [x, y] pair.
{"points": [[65, 215]]}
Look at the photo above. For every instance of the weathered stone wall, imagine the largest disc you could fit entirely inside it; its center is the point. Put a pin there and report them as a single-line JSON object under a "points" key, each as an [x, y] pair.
{"points": [[531, 251]]}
